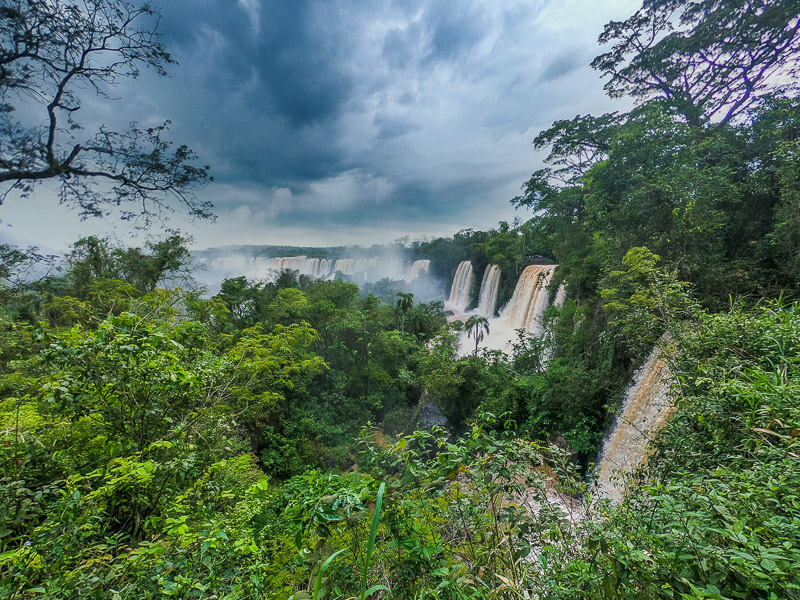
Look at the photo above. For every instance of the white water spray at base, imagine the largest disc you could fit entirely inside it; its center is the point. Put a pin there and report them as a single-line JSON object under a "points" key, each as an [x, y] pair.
{"points": [[524, 311]]}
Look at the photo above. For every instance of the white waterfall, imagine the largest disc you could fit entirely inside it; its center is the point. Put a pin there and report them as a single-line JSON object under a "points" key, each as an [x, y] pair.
{"points": [[293, 263], [312, 266], [524, 311], [461, 288], [646, 408], [561, 296], [266, 269], [345, 266], [418, 269], [325, 266], [530, 300], [487, 299]]}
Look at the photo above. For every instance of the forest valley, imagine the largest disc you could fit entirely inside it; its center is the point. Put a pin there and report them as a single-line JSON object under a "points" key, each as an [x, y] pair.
{"points": [[270, 441]]}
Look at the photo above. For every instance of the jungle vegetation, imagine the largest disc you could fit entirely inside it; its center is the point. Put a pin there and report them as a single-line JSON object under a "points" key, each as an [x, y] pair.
{"points": [[271, 441]]}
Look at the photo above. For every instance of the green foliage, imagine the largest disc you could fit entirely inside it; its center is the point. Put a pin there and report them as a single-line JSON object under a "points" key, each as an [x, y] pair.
{"points": [[405, 302], [94, 259], [465, 519], [373, 532], [644, 301], [155, 443], [717, 515]]}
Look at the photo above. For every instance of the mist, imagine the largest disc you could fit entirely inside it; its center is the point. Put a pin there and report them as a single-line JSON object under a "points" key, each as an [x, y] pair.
{"points": [[383, 270]]}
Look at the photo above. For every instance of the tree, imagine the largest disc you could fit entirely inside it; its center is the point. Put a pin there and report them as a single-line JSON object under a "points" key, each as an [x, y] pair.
{"points": [[89, 260], [167, 257], [477, 327], [405, 302], [93, 259], [709, 60], [577, 144], [17, 265], [52, 52], [241, 298]]}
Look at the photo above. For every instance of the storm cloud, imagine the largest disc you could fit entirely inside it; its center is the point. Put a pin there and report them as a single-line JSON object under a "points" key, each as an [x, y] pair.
{"points": [[407, 116]]}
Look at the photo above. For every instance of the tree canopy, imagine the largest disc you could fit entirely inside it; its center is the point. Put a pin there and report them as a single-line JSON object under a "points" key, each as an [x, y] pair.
{"points": [[709, 60]]}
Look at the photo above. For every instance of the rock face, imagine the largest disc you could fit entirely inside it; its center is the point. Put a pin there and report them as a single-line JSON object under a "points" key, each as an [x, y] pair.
{"points": [[646, 408], [429, 415]]}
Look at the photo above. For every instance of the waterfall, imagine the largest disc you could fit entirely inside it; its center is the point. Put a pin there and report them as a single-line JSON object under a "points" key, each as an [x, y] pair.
{"points": [[524, 310], [645, 409], [461, 288], [325, 266], [529, 301], [561, 296], [312, 267], [293, 263], [345, 266], [418, 269], [487, 299], [266, 268]]}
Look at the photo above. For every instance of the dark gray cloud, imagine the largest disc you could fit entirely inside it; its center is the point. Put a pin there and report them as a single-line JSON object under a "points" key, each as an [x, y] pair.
{"points": [[564, 62], [456, 28], [401, 114]]}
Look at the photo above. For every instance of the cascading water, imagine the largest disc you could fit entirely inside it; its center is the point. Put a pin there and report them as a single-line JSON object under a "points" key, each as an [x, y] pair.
{"points": [[418, 269], [345, 266], [561, 296], [645, 409], [530, 300], [293, 263], [312, 266], [325, 266], [461, 288], [524, 310], [487, 299], [267, 268]]}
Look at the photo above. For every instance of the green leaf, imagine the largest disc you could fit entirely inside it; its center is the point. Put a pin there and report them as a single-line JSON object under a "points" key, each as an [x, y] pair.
{"points": [[408, 477], [373, 532], [323, 568], [374, 589]]}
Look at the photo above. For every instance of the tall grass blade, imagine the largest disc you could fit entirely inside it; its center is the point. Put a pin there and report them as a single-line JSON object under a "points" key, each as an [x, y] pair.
{"points": [[373, 532], [322, 569], [374, 589]]}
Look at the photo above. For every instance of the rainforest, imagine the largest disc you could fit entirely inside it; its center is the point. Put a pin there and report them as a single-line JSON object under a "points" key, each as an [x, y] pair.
{"points": [[599, 399]]}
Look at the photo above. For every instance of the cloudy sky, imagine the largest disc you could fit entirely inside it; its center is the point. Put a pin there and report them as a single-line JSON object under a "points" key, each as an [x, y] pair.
{"points": [[353, 121]]}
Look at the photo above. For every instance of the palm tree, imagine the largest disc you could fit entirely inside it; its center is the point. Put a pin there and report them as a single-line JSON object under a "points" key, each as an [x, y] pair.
{"points": [[405, 303], [477, 327]]}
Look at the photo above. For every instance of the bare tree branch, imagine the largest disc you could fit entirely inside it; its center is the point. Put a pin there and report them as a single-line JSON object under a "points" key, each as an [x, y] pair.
{"points": [[710, 59], [51, 51]]}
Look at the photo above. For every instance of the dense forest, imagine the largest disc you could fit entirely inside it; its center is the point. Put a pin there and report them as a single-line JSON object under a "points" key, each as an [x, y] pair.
{"points": [[303, 438]]}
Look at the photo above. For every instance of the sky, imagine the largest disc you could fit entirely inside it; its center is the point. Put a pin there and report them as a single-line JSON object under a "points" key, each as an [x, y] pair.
{"points": [[329, 122]]}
